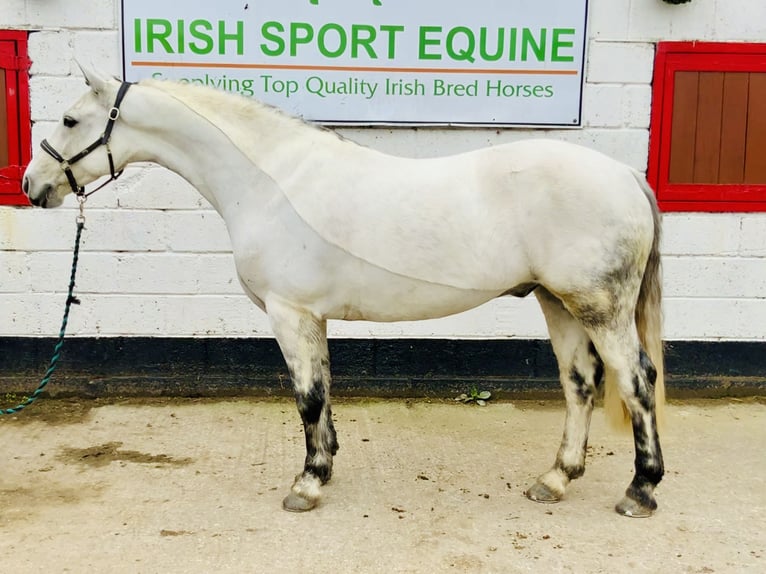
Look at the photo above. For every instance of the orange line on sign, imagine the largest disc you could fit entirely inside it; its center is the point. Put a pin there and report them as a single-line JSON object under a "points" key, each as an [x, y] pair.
{"points": [[142, 63]]}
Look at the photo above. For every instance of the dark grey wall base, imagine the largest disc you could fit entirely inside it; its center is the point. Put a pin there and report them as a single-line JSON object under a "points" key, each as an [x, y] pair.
{"points": [[144, 366]]}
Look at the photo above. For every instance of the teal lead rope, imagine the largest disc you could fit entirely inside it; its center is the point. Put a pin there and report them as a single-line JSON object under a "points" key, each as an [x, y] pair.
{"points": [[60, 343]]}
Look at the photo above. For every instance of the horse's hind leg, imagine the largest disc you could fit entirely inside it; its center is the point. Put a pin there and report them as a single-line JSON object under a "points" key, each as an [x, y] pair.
{"points": [[629, 366], [580, 370], [303, 341]]}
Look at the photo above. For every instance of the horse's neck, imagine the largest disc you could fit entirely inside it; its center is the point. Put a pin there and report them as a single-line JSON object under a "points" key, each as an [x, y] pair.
{"points": [[230, 160]]}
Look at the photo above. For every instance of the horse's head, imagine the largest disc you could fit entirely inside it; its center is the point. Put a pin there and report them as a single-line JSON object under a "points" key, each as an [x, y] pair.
{"points": [[81, 148]]}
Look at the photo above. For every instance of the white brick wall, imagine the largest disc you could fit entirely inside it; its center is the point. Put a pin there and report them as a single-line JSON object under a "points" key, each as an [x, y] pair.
{"points": [[156, 258]]}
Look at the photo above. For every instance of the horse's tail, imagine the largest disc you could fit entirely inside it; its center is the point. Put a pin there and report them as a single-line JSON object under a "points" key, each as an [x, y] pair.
{"points": [[648, 320]]}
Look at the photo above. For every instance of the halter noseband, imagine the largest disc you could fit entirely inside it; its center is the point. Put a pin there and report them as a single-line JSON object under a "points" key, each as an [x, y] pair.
{"points": [[65, 164]]}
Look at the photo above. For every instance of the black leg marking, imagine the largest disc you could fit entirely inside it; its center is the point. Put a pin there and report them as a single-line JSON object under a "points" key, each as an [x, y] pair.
{"points": [[310, 404], [313, 408], [323, 472], [649, 465], [598, 375], [643, 386], [648, 367], [571, 471], [584, 390], [332, 440]]}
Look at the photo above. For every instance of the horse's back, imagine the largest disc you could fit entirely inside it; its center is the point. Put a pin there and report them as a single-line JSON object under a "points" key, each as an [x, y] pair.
{"points": [[482, 220]]}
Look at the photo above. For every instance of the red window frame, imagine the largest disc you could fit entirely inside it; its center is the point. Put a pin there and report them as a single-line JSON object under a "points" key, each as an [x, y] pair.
{"points": [[670, 58], [14, 64]]}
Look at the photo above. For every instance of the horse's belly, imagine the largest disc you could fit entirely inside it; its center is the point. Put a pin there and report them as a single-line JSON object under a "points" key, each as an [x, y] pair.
{"points": [[378, 295], [284, 256], [336, 285]]}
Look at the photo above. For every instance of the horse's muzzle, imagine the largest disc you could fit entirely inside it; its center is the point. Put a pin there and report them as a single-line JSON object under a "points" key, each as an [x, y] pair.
{"points": [[40, 199]]}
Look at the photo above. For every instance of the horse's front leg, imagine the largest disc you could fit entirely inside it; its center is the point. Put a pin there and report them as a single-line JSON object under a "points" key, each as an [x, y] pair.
{"points": [[302, 337]]}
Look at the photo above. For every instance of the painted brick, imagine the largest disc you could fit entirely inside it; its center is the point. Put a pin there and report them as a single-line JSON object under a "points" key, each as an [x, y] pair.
{"points": [[688, 234], [194, 231], [753, 235], [14, 277], [112, 230], [105, 230], [602, 105], [502, 318], [36, 230], [517, 318], [199, 315], [156, 188], [100, 49], [620, 62], [630, 146], [98, 14], [691, 21], [143, 273], [617, 105], [23, 314], [608, 19], [126, 231], [13, 13], [132, 315], [714, 319], [49, 271], [51, 52], [733, 22], [714, 277], [637, 106], [52, 96]]}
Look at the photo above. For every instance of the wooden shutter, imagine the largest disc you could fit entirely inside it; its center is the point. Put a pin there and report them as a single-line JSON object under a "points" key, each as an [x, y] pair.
{"points": [[708, 131], [15, 147]]}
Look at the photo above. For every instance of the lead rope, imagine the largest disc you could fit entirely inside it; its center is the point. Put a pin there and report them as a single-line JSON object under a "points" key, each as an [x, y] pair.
{"points": [[60, 343]]}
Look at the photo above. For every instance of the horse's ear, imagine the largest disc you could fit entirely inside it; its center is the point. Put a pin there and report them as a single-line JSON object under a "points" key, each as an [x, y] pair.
{"points": [[94, 79]]}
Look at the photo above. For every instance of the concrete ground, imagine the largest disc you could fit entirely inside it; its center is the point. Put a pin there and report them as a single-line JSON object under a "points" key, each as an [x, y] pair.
{"points": [[421, 487]]}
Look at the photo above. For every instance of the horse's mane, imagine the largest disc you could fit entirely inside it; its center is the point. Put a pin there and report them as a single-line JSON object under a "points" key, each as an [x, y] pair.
{"points": [[200, 97]]}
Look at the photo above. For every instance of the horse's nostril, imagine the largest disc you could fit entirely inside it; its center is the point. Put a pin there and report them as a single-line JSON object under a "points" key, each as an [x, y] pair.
{"points": [[25, 185]]}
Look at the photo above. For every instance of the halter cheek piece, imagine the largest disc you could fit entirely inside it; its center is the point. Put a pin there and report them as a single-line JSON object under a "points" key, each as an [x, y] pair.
{"points": [[65, 164]]}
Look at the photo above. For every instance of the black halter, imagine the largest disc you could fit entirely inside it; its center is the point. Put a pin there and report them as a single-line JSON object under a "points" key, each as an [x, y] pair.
{"points": [[65, 164]]}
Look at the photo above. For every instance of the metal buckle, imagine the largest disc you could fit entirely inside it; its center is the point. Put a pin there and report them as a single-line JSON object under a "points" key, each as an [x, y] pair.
{"points": [[81, 198], [114, 113]]}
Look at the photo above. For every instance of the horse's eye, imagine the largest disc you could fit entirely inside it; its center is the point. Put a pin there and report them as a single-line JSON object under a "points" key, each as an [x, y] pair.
{"points": [[69, 121]]}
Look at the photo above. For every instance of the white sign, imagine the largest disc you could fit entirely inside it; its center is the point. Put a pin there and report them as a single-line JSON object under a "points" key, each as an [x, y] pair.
{"points": [[413, 62]]}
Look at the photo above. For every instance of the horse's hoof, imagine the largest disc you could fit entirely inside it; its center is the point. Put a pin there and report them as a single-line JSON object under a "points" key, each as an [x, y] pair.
{"points": [[634, 509], [295, 503], [539, 492]]}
